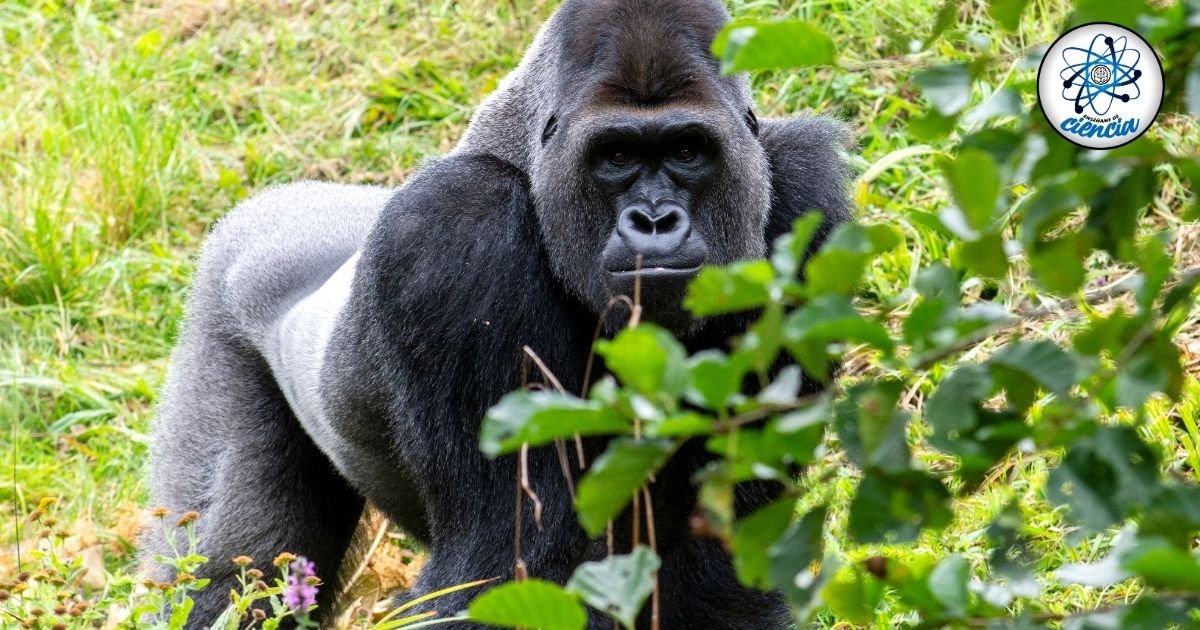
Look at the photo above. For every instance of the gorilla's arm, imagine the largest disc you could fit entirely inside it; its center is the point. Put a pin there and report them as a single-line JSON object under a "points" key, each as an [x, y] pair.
{"points": [[808, 172], [451, 284]]}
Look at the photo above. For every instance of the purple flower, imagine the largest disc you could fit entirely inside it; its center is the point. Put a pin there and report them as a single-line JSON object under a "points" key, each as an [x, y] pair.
{"points": [[298, 594]]}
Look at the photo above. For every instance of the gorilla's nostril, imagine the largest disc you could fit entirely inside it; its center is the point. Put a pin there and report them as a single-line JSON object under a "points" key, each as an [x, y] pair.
{"points": [[642, 222], [667, 222]]}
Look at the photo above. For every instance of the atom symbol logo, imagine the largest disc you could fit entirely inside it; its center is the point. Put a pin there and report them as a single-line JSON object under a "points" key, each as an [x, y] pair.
{"points": [[1093, 75]]}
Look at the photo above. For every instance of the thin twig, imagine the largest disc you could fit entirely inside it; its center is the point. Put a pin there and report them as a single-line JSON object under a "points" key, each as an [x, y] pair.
{"points": [[544, 369], [560, 447], [366, 559], [519, 572], [528, 488], [656, 594], [636, 317], [591, 360]]}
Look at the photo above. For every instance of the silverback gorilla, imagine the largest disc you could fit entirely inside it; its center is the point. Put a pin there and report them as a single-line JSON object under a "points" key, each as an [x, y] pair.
{"points": [[342, 343]]}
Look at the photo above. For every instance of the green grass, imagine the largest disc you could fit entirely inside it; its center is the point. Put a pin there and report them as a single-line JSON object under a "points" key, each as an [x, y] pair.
{"points": [[127, 128]]}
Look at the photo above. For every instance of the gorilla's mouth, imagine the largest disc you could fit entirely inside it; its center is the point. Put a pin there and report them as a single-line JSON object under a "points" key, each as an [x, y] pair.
{"points": [[654, 273], [659, 291]]}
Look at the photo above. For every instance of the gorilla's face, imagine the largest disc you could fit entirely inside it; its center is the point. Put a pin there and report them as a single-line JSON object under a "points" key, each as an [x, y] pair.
{"points": [[649, 165], [634, 200], [662, 195]]}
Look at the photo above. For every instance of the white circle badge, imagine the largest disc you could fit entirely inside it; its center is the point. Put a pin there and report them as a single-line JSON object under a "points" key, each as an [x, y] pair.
{"points": [[1100, 85]]}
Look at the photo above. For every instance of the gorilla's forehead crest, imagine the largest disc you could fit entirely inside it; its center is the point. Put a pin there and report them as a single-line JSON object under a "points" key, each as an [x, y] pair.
{"points": [[641, 52], [606, 52]]}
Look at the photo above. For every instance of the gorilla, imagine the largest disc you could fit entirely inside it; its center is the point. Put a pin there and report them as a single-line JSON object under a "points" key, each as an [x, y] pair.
{"points": [[342, 343]]}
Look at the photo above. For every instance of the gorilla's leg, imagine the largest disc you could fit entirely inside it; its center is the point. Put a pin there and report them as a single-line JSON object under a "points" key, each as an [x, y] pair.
{"points": [[226, 442], [238, 456]]}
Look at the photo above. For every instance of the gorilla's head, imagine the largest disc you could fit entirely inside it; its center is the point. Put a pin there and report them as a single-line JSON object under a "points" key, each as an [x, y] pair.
{"points": [[647, 163]]}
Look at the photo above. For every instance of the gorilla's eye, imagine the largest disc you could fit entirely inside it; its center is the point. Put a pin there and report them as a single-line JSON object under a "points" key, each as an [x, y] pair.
{"points": [[685, 152], [619, 156]]}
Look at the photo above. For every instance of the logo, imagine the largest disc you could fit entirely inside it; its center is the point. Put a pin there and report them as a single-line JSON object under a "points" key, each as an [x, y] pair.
{"points": [[1100, 85]]}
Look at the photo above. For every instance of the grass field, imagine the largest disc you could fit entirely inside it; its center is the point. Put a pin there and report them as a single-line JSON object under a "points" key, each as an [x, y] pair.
{"points": [[128, 128]]}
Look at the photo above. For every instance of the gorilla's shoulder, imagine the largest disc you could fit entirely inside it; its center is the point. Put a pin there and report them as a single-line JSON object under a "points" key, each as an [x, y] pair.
{"points": [[468, 171], [462, 185], [810, 168]]}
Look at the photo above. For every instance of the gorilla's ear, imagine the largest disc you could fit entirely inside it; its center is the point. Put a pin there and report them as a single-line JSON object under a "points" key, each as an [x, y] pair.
{"points": [[752, 121], [550, 130]]}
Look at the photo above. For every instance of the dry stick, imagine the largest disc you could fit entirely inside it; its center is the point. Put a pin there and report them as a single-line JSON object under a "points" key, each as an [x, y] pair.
{"points": [[366, 559], [560, 447], [651, 534], [519, 572], [637, 294], [587, 369], [525, 485]]}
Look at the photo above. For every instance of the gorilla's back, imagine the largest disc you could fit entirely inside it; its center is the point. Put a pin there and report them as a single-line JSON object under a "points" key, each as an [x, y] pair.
{"points": [[272, 276], [279, 246]]}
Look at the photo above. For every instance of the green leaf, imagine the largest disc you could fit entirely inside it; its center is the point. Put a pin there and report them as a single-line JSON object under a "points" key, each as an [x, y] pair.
{"points": [[610, 483], [953, 407], [872, 427], [1104, 476], [1154, 367], [1007, 13], [1124, 12], [931, 126], [949, 584], [790, 250], [1043, 362], [1150, 613], [753, 535], [1163, 565], [1012, 556], [1192, 83], [984, 255], [686, 424], [648, 359], [617, 585], [763, 45], [832, 318], [947, 87], [839, 265], [1114, 212], [1058, 264], [769, 452], [793, 559], [713, 379], [532, 603], [974, 180], [895, 507], [852, 596], [1103, 573], [540, 417], [1173, 514], [963, 427], [739, 287], [946, 17], [180, 613]]}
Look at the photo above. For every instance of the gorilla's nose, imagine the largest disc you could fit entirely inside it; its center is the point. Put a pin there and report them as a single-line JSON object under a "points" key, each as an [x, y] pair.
{"points": [[654, 230]]}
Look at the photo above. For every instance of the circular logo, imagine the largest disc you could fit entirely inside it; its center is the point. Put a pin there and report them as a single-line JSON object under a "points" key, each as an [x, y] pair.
{"points": [[1100, 85]]}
